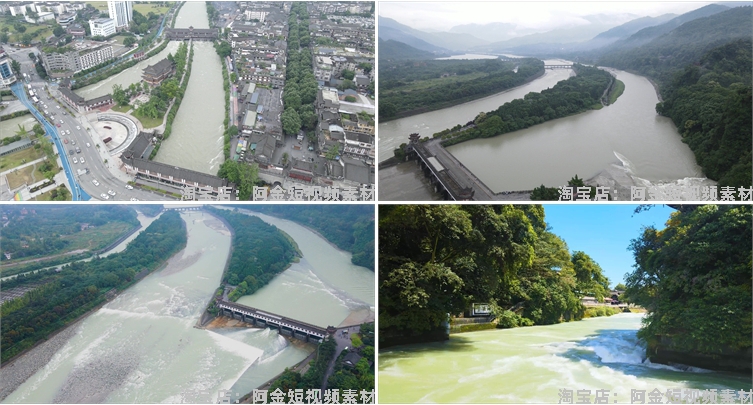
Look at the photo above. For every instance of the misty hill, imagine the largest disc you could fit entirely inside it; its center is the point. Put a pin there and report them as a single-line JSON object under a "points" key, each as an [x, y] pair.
{"points": [[437, 41], [392, 34], [646, 35], [603, 39], [684, 44], [394, 50], [492, 32], [597, 24]]}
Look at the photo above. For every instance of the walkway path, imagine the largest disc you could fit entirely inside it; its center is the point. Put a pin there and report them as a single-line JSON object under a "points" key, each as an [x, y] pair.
{"points": [[343, 340]]}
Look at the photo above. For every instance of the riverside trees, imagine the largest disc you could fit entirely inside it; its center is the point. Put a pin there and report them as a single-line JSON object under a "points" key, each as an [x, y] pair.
{"points": [[694, 277], [438, 259]]}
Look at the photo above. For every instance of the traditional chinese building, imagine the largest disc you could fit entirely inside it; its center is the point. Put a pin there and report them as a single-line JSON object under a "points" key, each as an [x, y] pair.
{"points": [[155, 74]]}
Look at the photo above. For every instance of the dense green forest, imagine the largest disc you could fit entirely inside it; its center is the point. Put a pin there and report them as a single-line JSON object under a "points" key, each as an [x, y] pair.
{"points": [[260, 252], [694, 278], [710, 103], [349, 227], [438, 259], [37, 231], [576, 94], [412, 87], [81, 286]]}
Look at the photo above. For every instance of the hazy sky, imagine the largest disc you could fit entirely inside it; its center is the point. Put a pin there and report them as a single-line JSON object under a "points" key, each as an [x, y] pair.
{"points": [[604, 232], [441, 16]]}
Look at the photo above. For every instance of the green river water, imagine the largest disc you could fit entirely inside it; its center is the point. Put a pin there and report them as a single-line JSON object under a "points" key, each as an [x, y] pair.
{"points": [[532, 365]]}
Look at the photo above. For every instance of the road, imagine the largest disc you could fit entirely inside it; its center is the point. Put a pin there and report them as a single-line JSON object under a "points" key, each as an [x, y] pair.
{"points": [[76, 192], [82, 186]]}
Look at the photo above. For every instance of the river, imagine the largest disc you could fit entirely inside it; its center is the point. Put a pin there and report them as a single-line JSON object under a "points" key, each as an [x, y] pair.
{"points": [[196, 141], [142, 346], [624, 144], [126, 77], [531, 365], [9, 127]]}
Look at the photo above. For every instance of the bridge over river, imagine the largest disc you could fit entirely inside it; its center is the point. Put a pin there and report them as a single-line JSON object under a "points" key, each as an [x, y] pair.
{"points": [[286, 326], [450, 177]]}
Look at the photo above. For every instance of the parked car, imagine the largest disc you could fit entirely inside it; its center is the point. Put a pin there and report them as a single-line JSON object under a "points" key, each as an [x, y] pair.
{"points": [[75, 160], [82, 160], [105, 196], [96, 183], [128, 186], [110, 192]]}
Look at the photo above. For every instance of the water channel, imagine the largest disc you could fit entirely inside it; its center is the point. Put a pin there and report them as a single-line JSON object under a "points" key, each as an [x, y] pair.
{"points": [[143, 347], [8, 128], [196, 141], [531, 365], [626, 143], [126, 77]]}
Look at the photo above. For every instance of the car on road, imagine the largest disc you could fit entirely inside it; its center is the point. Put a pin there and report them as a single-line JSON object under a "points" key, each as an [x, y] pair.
{"points": [[71, 152], [82, 160], [67, 131], [96, 183], [75, 160], [105, 196], [64, 113], [134, 199], [65, 140], [57, 106], [73, 142], [128, 186], [58, 125], [78, 127], [78, 150], [62, 122], [88, 145], [110, 192]]}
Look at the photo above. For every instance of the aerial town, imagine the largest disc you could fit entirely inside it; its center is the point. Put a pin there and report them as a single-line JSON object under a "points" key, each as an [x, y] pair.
{"points": [[141, 101]]}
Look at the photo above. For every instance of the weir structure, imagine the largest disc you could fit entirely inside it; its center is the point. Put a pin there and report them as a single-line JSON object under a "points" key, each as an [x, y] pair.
{"points": [[286, 326]]}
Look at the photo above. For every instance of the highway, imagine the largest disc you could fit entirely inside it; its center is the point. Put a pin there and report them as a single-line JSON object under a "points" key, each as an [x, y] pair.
{"points": [[76, 192], [57, 127]]}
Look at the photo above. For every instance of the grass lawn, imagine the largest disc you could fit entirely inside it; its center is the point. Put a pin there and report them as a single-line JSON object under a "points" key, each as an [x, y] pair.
{"points": [[38, 32], [145, 8], [121, 109], [148, 122], [96, 238], [22, 176], [99, 5], [18, 158]]}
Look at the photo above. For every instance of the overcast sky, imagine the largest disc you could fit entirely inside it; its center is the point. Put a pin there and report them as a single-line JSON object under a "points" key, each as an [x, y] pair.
{"points": [[441, 16]]}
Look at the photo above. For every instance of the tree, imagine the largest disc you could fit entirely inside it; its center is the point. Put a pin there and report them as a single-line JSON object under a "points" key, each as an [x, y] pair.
{"points": [[21, 130], [694, 275], [128, 41], [58, 31], [348, 74], [350, 99], [4, 38], [119, 95], [20, 28], [620, 287], [38, 130], [333, 152], [26, 39], [291, 122]]}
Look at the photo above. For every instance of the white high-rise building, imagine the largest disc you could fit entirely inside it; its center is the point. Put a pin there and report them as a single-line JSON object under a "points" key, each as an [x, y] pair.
{"points": [[121, 12]]}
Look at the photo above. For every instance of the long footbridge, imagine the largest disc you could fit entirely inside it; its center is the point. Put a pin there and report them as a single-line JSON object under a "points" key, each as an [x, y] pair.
{"points": [[450, 177], [558, 66], [286, 326]]}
